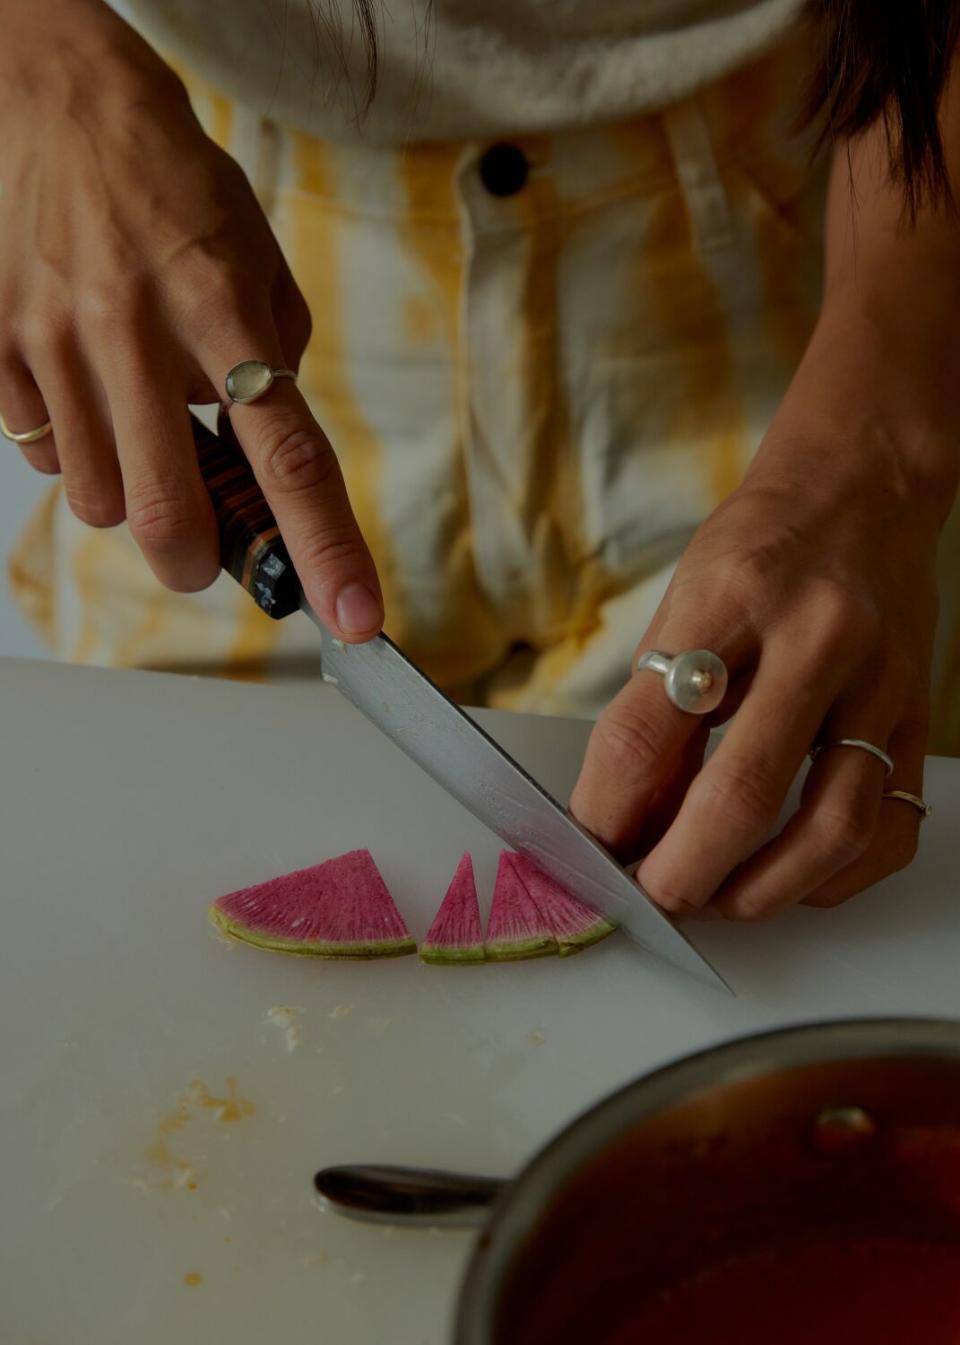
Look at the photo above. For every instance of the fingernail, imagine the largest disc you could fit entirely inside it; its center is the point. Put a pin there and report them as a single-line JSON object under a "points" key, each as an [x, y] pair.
{"points": [[358, 610]]}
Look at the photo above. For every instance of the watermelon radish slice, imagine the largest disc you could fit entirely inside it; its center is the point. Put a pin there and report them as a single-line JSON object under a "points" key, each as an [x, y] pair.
{"points": [[340, 908], [516, 928], [574, 925], [456, 935]]}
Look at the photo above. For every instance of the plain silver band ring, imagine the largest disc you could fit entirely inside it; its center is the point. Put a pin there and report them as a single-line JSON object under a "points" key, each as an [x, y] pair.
{"points": [[915, 801], [864, 746], [25, 436]]}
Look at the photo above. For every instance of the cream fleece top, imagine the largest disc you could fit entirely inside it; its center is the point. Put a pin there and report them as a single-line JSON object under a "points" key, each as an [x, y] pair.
{"points": [[459, 68]]}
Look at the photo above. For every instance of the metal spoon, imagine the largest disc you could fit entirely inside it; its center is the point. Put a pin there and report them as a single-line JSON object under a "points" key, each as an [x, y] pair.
{"points": [[409, 1196]]}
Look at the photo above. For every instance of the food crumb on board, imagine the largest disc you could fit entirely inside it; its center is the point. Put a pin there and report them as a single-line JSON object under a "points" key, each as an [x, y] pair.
{"points": [[319, 1258], [536, 1037], [341, 1010], [193, 1278], [165, 1168], [185, 1177], [286, 1017]]}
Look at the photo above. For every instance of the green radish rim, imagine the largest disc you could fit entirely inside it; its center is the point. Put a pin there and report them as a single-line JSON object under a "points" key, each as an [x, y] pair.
{"points": [[366, 952]]}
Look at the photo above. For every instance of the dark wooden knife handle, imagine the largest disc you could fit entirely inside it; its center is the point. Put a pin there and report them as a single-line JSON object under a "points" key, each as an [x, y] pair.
{"points": [[251, 548]]}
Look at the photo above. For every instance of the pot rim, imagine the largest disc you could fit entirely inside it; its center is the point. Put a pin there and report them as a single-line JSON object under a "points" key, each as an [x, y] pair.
{"points": [[523, 1200]]}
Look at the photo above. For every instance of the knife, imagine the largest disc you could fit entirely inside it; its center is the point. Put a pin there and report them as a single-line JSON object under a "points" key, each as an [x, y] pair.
{"points": [[394, 694]]}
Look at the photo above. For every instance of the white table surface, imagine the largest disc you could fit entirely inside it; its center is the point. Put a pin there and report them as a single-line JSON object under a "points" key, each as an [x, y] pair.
{"points": [[127, 802]]}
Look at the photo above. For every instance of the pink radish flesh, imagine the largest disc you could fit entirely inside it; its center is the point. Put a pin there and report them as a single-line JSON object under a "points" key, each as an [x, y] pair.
{"points": [[340, 908], [456, 934], [516, 928], [574, 925]]}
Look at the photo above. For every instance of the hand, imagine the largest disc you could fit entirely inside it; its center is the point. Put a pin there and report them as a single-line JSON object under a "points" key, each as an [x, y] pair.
{"points": [[136, 269], [815, 583]]}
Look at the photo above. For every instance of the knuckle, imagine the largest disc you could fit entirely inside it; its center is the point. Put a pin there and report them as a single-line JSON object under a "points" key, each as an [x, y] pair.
{"points": [[295, 457], [95, 504], [107, 307], [161, 520], [672, 898], [842, 619], [43, 460], [842, 835], [327, 552], [627, 738], [217, 297], [43, 329], [743, 797]]}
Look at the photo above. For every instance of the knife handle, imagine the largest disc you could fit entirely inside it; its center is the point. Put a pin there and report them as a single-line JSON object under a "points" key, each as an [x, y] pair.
{"points": [[251, 548]]}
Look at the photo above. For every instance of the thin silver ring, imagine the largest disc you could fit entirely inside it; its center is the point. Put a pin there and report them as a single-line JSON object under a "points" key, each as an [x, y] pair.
{"points": [[250, 380], [22, 437], [864, 746]]}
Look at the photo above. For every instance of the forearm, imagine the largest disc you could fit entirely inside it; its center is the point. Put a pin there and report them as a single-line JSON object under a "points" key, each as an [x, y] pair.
{"points": [[891, 305], [875, 395]]}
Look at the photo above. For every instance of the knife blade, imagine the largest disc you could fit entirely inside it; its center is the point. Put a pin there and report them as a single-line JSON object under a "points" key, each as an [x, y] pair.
{"points": [[394, 694], [391, 691]]}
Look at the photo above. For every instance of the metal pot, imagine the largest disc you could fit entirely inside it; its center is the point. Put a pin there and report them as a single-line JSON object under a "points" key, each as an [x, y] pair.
{"points": [[841, 1135]]}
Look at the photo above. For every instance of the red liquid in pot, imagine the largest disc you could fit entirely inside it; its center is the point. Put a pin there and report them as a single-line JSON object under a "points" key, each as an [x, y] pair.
{"points": [[882, 1293]]}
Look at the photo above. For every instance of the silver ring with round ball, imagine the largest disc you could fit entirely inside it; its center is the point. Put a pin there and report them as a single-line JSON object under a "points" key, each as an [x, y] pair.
{"points": [[695, 681]]}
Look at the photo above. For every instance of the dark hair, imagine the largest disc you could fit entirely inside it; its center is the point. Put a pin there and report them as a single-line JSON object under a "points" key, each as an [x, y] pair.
{"points": [[887, 60], [328, 39], [368, 28]]}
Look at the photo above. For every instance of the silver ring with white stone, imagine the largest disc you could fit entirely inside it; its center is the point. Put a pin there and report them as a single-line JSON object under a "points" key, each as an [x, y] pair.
{"points": [[695, 681], [251, 379], [864, 746]]}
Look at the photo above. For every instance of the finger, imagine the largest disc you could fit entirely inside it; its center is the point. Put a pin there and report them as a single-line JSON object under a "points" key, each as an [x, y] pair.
{"points": [[640, 739], [734, 802], [672, 789], [835, 822], [23, 408], [83, 434], [300, 477], [894, 843], [168, 508]]}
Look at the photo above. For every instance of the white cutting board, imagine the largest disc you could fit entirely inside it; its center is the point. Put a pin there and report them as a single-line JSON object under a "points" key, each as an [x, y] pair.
{"points": [[128, 801]]}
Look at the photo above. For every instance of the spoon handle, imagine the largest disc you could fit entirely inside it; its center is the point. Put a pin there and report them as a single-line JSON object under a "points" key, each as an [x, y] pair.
{"points": [[408, 1196]]}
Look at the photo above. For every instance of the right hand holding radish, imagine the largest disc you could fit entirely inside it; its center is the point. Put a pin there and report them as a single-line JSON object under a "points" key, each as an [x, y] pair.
{"points": [[137, 268]]}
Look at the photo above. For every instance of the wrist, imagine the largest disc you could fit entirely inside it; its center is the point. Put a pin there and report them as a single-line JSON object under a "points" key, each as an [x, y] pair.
{"points": [[863, 411]]}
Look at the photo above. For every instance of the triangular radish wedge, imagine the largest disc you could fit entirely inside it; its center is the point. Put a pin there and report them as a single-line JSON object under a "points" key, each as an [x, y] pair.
{"points": [[573, 924], [516, 928], [456, 935], [340, 908]]}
